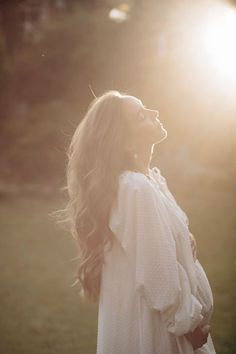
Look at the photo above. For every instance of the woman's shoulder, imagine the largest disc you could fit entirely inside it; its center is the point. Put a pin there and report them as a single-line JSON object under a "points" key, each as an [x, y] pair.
{"points": [[139, 177], [135, 181], [133, 177]]}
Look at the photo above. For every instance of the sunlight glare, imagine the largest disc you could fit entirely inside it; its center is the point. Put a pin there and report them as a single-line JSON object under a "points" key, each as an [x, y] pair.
{"points": [[219, 38], [120, 14]]}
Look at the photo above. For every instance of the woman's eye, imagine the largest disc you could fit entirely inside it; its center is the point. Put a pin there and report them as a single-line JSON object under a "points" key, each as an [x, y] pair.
{"points": [[141, 115]]}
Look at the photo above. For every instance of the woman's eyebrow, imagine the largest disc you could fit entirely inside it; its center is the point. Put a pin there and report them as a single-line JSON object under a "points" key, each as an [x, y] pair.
{"points": [[141, 109]]}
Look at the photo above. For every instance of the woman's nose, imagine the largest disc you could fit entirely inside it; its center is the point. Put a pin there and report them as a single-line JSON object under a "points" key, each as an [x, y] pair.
{"points": [[154, 115]]}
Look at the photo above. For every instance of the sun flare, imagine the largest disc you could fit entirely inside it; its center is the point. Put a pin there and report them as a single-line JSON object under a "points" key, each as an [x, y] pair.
{"points": [[219, 42]]}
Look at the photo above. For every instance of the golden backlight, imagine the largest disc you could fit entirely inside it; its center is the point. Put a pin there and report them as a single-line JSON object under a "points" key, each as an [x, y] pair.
{"points": [[204, 55]]}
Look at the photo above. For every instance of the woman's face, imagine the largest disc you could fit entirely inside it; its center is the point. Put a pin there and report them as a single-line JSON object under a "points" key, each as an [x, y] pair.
{"points": [[143, 124]]}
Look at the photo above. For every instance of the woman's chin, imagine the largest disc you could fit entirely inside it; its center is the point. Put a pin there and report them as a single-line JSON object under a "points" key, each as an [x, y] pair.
{"points": [[163, 135]]}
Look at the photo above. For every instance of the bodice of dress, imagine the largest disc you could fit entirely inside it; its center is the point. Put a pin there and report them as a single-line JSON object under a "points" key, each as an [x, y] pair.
{"points": [[178, 219], [156, 175]]}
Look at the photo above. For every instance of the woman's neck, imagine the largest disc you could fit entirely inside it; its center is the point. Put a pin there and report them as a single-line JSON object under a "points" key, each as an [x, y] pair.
{"points": [[142, 161]]}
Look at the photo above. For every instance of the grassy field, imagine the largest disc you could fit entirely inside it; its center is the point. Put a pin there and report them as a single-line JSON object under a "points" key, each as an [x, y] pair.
{"points": [[42, 314]]}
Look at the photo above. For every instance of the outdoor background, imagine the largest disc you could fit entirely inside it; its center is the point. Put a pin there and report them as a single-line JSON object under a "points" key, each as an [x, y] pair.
{"points": [[178, 57]]}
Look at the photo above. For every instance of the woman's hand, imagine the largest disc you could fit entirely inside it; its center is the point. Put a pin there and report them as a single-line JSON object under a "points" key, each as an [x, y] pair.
{"points": [[193, 245], [199, 336]]}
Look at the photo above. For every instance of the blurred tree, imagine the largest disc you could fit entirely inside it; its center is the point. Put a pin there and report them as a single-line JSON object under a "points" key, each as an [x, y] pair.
{"points": [[11, 24]]}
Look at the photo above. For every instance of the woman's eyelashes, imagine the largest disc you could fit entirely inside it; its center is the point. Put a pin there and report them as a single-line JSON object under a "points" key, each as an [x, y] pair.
{"points": [[142, 115]]}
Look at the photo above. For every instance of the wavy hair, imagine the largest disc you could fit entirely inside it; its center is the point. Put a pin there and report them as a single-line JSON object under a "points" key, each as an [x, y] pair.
{"points": [[97, 154]]}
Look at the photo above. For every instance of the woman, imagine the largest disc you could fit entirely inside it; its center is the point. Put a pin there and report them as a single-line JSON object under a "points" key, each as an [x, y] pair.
{"points": [[137, 256]]}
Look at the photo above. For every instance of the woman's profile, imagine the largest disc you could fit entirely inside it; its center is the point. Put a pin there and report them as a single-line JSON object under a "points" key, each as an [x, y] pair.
{"points": [[137, 255]]}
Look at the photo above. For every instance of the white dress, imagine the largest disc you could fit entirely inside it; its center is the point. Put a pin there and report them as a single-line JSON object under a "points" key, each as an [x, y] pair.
{"points": [[152, 290]]}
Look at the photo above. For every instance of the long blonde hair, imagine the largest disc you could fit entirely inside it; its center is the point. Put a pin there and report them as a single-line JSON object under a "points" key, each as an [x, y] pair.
{"points": [[96, 157]]}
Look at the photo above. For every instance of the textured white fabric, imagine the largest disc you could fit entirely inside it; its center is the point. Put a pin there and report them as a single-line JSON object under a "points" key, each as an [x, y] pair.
{"points": [[152, 291]]}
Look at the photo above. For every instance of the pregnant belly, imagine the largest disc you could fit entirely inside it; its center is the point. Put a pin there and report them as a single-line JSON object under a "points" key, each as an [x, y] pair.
{"points": [[204, 292]]}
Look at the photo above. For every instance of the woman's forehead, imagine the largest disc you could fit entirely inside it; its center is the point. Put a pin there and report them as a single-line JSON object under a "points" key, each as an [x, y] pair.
{"points": [[132, 104]]}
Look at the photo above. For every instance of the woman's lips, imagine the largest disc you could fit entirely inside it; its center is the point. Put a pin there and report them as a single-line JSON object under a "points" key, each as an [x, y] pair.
{"points": [[156, 121]]}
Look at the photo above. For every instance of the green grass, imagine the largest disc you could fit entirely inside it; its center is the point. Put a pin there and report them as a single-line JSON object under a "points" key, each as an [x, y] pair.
{"points": [[40, 311], [42, 314]]}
